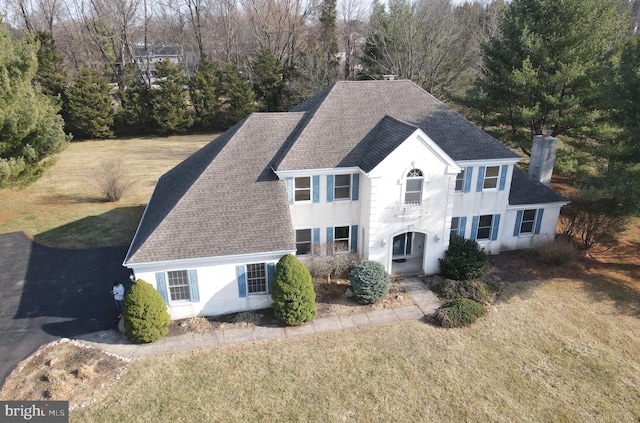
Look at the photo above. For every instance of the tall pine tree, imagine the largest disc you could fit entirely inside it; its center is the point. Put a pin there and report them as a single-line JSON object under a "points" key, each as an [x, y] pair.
{"points": [[168, 100], [268, 84], [203, 92], [541, 70], [30, 128], [238, 96], [88, 103]]}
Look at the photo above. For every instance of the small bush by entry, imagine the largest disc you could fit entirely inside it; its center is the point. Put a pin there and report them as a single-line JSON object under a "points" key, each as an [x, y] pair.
{"points": [[459, 312], [464, 260], [370, 282], [145, 313], [294, 300]]}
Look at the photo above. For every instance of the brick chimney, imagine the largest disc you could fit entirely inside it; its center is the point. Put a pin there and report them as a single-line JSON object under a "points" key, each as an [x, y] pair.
{"points": [[543, 156]]}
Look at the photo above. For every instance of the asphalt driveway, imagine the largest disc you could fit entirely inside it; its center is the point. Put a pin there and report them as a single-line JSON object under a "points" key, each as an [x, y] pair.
{"points": [[47, 293]]}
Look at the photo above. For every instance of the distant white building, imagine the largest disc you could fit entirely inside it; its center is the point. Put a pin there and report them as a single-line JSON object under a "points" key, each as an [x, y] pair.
{"points": [[148, 58], [380, 168]]}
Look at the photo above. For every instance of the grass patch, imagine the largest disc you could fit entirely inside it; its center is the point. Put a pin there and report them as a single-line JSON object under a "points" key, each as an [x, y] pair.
{"points": [[66, 208], [531, 359]]}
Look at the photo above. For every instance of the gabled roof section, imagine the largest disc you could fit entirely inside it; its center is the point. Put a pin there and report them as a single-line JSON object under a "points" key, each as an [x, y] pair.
{"points": [[344, 114], [228, 180], [526, 189], [385, 137]]}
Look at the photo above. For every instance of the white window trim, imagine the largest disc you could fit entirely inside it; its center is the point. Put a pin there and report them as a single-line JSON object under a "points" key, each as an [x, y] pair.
{"points": [[493, 221], [348, 250], [310, 189], [266, 279], [533, 223], [335, 186], [310, 253], [183, 301], [463, 172], [497, 179], [405, 184]]}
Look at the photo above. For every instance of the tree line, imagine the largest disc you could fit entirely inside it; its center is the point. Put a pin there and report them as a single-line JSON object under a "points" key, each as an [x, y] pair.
{"points": [[514, 68]]}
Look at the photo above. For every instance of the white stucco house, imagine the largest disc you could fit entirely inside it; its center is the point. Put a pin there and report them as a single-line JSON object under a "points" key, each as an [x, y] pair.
{"points": [[380, 168]]}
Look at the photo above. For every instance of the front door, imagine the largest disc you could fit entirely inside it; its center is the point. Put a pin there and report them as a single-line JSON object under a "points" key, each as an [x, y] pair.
{"points": [[402, 244]]}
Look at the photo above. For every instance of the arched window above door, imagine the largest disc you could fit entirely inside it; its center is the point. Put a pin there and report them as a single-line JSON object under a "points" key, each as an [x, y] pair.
{"points": [[413, 187]]}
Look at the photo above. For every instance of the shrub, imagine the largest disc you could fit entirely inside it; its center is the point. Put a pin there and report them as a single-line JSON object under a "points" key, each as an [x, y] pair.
{"points": [[294, 300], [464, 260], [144, 313], [449, 289], [112, 179], [560, 250], [338, 262], [459, 312], [370, 282]]}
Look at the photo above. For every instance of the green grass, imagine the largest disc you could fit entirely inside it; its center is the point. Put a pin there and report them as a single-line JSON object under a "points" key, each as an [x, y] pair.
{"points": [[65, 208], [546, 352]]}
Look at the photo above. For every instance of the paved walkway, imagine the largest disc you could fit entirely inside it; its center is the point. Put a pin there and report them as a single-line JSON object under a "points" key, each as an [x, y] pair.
{"points": [[113, 342]]}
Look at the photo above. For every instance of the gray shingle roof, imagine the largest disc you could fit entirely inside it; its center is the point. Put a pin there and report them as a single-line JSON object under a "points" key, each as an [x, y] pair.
{"points": [[527, 190], [345, 113], [223, 200]]}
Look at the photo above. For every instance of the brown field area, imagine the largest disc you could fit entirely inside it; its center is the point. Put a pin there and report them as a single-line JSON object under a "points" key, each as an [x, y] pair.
{"points": [[65, 208], [560, 344]]}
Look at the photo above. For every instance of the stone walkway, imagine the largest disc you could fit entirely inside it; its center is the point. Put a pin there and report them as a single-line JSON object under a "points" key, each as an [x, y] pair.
{"points": [[112, 341]]}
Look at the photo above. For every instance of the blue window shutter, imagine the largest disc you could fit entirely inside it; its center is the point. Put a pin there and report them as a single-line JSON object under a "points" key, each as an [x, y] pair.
{"points": [[329, 188], [474, 227], [480, 183], [355, 187], [161, 283], [329, 240], [463, 225], [538, 221], [315, 238], [496, 224], [354, 238], [516, 229], [289, 183], [242, 281], [468, 174], [316, 189], [503, 176], [271, 272], [193, 286]]}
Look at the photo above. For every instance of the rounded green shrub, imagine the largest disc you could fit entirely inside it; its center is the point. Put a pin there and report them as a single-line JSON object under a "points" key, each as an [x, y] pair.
{"points": [[450, 289], [294, 300], [370, 282], [459, 312], [144, 313], [464, 260]]}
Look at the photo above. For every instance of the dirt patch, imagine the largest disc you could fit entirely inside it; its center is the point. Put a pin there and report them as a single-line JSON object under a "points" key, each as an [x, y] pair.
{"points": [[64, 370], [331, 300]]}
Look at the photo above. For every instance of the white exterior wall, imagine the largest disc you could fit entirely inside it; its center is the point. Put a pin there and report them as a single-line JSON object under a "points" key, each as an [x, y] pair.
{"points": [[217, 288], [527, 241], [386, 196], [488, 201]]}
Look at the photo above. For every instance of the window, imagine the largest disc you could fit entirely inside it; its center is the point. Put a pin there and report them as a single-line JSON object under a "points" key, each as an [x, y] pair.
{"points": [[342, 188], [491, 176], [460, 181], [485, 224], [302, 188], [303, 242], [257, 278], [341, 238], [455, 227], [179, 285], [528, 221], [413, 191]]}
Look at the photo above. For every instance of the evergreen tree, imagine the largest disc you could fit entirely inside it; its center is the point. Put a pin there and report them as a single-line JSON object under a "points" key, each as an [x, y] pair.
{"points": [[294, 300], [541, 69], [168, 100], [144, 313], [238, 96], [88, 106], [30, 128], [134, 115], [51, 75], [268, 83], [203, 92], [328, 40]]}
